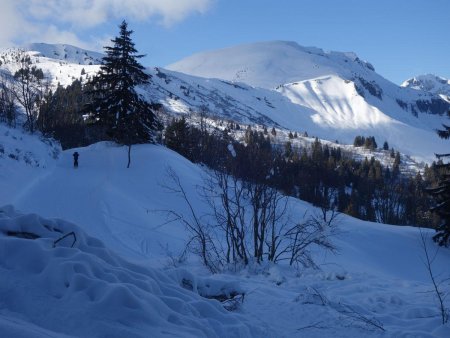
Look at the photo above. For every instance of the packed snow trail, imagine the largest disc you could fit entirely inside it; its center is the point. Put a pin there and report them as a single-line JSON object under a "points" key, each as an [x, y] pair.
{"points": [[109, 201]]}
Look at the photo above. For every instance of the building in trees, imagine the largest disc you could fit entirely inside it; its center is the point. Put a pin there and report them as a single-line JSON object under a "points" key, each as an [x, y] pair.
{"points": [[126, 116]]}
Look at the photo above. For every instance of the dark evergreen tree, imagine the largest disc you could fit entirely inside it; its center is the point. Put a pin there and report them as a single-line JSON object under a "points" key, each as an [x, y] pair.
{"points": [[392, 153], [359, 141], [441, 194], [126, 116], [61, 116], [8, 106], [177, 137], [370, 143], [288, 152]]}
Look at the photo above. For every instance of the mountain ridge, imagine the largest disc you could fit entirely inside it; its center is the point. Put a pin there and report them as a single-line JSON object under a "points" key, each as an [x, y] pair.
{"points": [[331, 107], [65, 52], [202, 64]]}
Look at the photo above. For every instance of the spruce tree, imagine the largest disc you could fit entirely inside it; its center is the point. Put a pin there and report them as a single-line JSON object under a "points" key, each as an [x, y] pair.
{"points": [[126, 116], [441, 194]]}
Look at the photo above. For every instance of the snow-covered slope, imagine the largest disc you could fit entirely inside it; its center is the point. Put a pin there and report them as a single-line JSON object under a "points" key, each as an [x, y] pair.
{"points": [[24, 158], [61, 64], [124, 287], [273, 64], [268, 64], [338, 112], [429, 83], [65, 53]]}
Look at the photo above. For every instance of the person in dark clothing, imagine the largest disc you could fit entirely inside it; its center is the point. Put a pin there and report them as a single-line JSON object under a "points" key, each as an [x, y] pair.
{"points": [[75, 159]]}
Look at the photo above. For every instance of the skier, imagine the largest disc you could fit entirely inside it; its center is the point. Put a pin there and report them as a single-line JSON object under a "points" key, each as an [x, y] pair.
{"points": [[75, 159]]}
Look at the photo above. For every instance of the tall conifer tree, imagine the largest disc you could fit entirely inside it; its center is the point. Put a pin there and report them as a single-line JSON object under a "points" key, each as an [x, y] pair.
{"points": [[441, 194], [127, 117]]}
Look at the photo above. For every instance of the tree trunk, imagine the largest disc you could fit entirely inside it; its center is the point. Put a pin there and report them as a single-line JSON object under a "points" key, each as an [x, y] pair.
{"points": [[129, 155]]}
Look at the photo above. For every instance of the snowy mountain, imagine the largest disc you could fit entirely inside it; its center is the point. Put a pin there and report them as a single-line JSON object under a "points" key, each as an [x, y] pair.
{"points": [[270, 64], [274, 64], [430, 83], [333, 96], [341, 94]]}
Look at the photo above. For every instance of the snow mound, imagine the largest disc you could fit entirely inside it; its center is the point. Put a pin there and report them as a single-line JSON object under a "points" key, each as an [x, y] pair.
{"points": [[57, 279]]}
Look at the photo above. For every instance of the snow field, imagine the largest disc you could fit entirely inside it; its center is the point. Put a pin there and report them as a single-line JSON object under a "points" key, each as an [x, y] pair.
{"points": [[128, 287]]}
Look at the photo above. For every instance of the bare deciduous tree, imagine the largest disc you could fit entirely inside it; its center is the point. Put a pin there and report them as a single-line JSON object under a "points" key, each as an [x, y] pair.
{"points": [[28, 87], [248, 222], [437, 285], [201, 241], [298, 240], [225, 196]]}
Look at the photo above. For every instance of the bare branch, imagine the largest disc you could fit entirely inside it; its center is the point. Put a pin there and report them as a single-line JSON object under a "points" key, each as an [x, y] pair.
{"points": [[440, 295]]}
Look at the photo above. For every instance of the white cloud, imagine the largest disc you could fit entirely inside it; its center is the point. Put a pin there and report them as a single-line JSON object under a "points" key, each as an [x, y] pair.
{"points": [[90, 13], [11, 22], [61, 20]]}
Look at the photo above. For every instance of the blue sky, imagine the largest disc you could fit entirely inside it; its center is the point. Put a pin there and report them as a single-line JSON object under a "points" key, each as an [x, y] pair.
{"points": [[401, 38]]}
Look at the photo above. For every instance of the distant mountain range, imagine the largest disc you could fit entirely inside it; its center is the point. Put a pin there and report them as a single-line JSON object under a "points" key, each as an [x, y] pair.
{"points": [[430, 83], [332, 95]]}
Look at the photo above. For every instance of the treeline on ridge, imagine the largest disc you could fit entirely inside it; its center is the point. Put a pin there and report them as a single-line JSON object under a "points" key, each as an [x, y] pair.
{"points": [[322, 175]]}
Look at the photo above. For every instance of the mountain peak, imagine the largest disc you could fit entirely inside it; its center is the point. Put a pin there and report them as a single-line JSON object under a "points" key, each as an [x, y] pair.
{"points": [[269, 64], [429, 83]]}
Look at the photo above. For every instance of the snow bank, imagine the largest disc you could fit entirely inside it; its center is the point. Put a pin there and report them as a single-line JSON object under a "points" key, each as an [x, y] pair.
{"points": [[81, 289]]}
